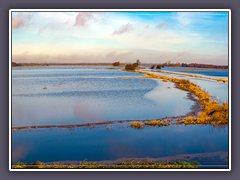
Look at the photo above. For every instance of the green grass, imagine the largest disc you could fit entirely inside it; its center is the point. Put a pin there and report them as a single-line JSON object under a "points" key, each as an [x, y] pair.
{"points": [[134, 164]]}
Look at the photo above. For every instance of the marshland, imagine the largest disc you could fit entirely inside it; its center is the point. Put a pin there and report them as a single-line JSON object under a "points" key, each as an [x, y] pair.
{"points": [[94, 114]]}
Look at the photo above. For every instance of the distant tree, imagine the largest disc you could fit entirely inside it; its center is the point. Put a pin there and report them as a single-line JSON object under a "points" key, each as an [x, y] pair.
{"points": [[184, 65], [131, 67], [178, 64], [159, 66], [116, 63], [14, 64], [152, 67], [135, 65]]}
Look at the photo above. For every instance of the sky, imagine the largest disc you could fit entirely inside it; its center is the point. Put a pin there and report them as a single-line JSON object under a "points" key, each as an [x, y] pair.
{"points": [[106, 37]]}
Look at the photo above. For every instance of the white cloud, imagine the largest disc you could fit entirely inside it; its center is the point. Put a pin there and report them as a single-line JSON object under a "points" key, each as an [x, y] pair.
{"points": [[161, 25]]}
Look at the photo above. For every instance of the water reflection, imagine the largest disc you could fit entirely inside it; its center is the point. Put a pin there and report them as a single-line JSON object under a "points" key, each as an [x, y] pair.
{"points": [[100, 143], [20, 151]]}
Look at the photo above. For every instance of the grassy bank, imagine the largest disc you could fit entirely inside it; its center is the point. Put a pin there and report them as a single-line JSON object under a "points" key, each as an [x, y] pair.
{"points": [[119, 165], [212, 112]]}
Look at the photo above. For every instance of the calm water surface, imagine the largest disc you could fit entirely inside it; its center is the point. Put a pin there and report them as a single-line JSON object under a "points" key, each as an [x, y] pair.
{"points": [[201, 71], [73, 95], [117, 141]]}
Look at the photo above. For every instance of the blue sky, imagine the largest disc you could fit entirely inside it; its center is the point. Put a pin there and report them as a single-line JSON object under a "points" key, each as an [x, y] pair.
{"points": [[153, 37]]}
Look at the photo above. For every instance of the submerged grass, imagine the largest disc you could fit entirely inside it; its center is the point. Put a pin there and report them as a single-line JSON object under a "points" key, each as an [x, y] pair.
{"points": [[212, 112], [156, 123], [131, 164]]}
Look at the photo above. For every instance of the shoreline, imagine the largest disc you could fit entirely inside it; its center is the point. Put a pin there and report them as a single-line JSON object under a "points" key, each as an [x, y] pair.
{"points": [[169, 158], [169, 119], [171, 161]]}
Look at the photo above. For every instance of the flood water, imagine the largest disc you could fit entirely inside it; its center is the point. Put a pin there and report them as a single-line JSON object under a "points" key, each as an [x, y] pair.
{"points": [[75, 95], [214, 88], [200, 71], [113, 142]]}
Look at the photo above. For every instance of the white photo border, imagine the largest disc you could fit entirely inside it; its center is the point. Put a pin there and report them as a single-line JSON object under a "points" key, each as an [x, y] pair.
{"points": [[118, 10]]}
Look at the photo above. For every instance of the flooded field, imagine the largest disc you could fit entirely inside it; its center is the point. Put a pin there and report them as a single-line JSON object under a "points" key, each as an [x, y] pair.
{"points": [[113, 142], [76, 95]]}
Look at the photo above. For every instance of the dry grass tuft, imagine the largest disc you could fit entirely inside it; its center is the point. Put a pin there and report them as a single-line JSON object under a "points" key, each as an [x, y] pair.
{"points": [[212, 112], [137, 125]]}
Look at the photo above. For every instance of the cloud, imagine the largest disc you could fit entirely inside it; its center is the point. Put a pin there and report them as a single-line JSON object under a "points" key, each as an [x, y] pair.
{"points": [[123, 29], [147, 26], [21, 20], [83, 18], [122, 55], [119, 55], [17, 23], [53, 22], [161, 25]]}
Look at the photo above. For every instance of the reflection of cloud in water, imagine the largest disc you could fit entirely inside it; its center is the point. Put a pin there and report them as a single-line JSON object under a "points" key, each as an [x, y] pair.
{"points": [[119, 149], [89, 111], [39, 111], [19, 152], [21, 113]]}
